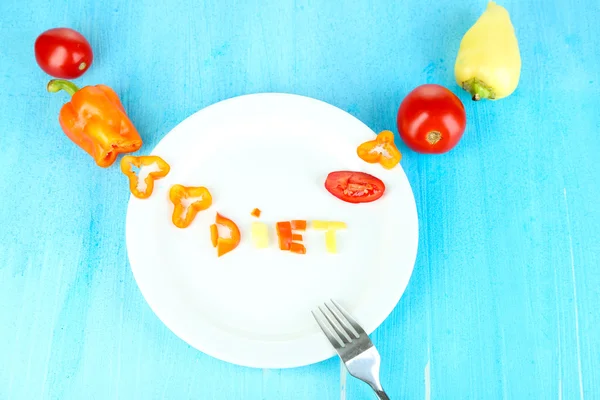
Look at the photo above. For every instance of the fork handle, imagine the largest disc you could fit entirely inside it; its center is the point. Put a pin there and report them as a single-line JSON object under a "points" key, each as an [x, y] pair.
{"points": [[381, 395]]}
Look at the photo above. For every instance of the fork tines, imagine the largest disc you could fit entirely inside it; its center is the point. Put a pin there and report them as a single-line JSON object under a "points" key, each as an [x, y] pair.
{"points": [[339, 327]]}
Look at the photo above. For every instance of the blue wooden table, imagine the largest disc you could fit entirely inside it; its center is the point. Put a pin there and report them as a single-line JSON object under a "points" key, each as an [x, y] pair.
{"points": [[503, 302]]}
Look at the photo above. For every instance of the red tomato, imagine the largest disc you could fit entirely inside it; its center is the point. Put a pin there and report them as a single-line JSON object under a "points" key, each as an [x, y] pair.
{"points": [[431, 119], [354, 187], [63, 53]]}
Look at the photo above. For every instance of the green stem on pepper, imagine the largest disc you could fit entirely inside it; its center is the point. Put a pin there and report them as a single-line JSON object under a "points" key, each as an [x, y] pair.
{"points": [[478, 89], [56, 85]]}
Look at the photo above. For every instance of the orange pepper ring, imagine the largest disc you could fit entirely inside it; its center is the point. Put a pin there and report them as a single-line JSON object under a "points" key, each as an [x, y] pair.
{"points": [[127, 164], [385, 140], [179, 192]]}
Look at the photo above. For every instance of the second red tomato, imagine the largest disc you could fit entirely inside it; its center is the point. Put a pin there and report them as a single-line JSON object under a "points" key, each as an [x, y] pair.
{"points": [[431, 119]]}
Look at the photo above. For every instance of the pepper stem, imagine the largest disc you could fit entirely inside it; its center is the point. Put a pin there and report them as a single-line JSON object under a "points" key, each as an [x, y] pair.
{"points": [[478, 89], [56, 85]]}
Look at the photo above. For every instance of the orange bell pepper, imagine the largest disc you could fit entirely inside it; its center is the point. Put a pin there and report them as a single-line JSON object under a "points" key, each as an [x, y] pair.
{"points": [[157, 169], [96, 121], [188, 201], [224, 245], [380, 150]]}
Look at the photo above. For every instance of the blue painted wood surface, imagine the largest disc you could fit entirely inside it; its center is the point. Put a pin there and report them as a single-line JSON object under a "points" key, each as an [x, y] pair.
{"points": [[503, 302]]}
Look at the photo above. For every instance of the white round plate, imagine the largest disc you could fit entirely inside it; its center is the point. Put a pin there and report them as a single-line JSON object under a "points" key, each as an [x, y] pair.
{"points": [[252, 307]]}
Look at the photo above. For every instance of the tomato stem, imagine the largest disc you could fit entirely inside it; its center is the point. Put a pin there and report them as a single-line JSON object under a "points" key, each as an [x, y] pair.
{"points": [[433, 137], [56, 85]]}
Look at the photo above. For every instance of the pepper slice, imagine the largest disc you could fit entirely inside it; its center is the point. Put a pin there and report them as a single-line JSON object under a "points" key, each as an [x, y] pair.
{"points": [[188, 201], [330, 227], [380, 150], [284, 233], [297, 248], [288, 239], [225, 245], [298, 225], [96, 121], [214, 235], [156, 168], [260, 235]]}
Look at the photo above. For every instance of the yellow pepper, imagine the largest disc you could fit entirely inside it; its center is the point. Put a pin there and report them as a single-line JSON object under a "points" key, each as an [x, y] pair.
{"points": [[488, 64]]}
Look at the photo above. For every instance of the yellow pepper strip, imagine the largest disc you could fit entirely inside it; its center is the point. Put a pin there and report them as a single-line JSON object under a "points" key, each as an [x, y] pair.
{"points": [[330, 241], [330, 227], [319, 225], [488, 64], [260, 235], [336, 225], [380, 150], [326, 225]]}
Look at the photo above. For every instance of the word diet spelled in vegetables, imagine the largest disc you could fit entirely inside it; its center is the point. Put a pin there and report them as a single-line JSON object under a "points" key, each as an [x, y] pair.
{"points": [[188, 201]]}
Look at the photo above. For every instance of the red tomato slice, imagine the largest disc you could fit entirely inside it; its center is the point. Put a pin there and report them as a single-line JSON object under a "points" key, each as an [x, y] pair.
{"points": [[354, 187]]}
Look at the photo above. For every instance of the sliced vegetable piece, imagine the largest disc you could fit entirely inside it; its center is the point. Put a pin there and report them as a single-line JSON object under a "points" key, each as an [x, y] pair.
{"points": [[288, 239], [255, 213], [260, 235], [380, 150], [319, 225], [330, 227], [330, 241], [214, 234], [298, 225], [284, 233], [151, 168], [354, 187], [225, 245], [188, 201], [336, 225], [297, 248], [325, 225]]}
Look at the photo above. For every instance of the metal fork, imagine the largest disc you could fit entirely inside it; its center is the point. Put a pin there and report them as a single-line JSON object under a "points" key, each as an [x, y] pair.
{"points": [[352, 344]]}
